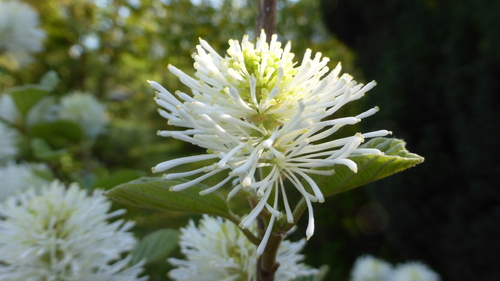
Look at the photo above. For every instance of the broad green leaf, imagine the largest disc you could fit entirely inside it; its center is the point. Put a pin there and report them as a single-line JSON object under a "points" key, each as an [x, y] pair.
{"points": [[57, 134], [370, 167], [154, 193], [49, 80], [26, 96], [156, 246]]}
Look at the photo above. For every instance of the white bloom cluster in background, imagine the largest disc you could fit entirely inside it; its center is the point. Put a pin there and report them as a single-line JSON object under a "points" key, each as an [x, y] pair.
{"points": [[20, 35], [254, 109], [8, 144], [17, 178], [413, 271], [368, 268], [63, 234], [85, 110], [218, 250], [8, 110]]}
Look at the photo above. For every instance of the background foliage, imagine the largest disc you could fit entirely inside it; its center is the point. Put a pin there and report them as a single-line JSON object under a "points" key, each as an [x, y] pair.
{"points": [[109, 49], [437, 63]]}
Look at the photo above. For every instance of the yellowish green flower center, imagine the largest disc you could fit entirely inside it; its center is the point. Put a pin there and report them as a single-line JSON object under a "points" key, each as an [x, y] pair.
{"points": [[263, 65]]}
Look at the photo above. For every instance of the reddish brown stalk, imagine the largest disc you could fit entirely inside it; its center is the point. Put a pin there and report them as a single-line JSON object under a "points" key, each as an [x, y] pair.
{"points": [[266, 19], [266, 264]]}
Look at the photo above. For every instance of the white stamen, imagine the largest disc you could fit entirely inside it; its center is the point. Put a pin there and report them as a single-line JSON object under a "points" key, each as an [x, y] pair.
{"points": [[215, 187], [163, 166], [185, 185]]}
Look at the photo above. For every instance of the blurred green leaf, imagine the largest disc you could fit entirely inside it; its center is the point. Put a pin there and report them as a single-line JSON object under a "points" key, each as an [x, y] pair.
{"points": [[43, 151], [49, 80], [154, 193], [26, 96], [118, 177], [85, 180], [41, 111], [156, 246], [305, 278], [42, 172], [57, 134], [370, 167]]}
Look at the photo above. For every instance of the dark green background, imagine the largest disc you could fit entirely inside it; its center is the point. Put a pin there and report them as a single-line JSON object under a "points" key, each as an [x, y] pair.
{"points": [[437, 64]]}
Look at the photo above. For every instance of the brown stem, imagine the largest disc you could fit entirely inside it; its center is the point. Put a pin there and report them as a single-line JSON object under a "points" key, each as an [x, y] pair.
{"points": [[266, 19], [266, 264]]}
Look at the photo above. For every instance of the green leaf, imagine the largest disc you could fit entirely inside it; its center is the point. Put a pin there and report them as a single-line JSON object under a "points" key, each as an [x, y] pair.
{"points": [[154, 193], [43, 151], [305, 278], [41, 112], [42, 172], [26, 96], [49, 80], [156, 246], [57, 134], [370, 167]]}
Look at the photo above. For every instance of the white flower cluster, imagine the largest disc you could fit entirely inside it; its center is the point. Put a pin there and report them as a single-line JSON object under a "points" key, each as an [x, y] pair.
{"points": [[63, 234], [17, 178], [413, 271], [8, 143], [85, 110], [8, 110], [255, 110], [218, 250], [20, 35], [368, 268]]}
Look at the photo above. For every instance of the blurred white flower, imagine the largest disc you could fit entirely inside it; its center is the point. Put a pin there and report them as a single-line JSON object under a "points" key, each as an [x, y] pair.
{"points": [[8, 144], [63, 234], [85, 110], [413, 271], [218, 250], [368, 268], [20, 35], [254, 109], [8, 109], [17, 178]]}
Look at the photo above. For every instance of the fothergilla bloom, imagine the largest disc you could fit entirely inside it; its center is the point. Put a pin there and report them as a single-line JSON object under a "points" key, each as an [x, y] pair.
{"points": [[263, 121]]}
